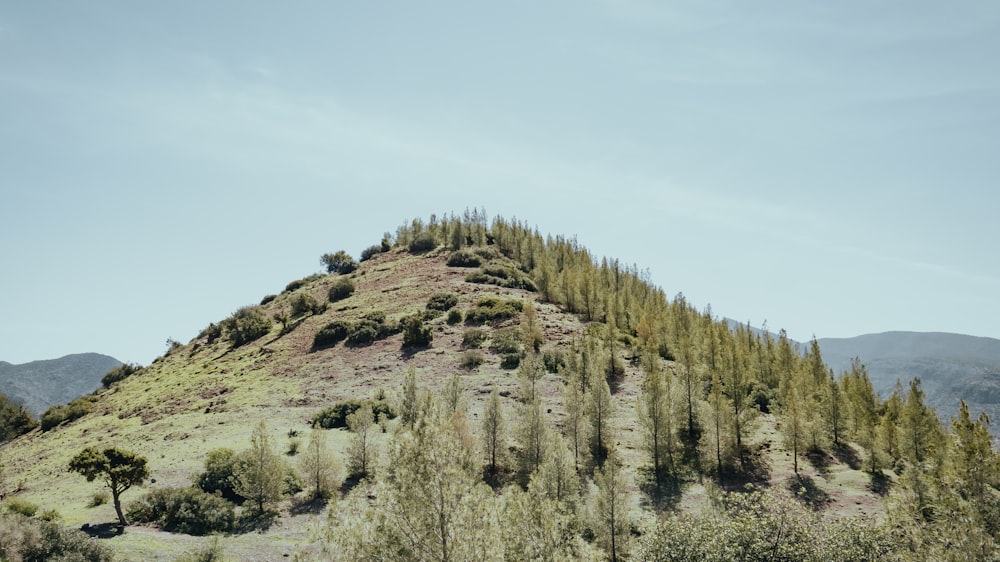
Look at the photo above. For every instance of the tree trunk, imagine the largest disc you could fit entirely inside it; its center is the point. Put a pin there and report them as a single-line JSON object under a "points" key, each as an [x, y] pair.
{"points": [[118, 508]]}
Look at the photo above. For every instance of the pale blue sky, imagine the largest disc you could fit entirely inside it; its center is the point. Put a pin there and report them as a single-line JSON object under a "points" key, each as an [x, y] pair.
{"points": [[830, 167]]}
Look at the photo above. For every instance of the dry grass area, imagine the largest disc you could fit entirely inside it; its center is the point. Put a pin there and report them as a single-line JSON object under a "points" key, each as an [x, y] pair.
{"points": [[205, 396]]}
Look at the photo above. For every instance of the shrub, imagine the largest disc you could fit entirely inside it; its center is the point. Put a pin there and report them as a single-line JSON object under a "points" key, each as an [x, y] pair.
{"points": [[23, 538], [21, 507], [502, 276], [210, 552], [415, 333], [510, 361], [423, 242], [506, 340], [464, 258], [75, 410], [553, 359], [371, 251], [442, 301], [120, 372], [341, 289], [363, 332], [299, 283], [98, 499], [305, 303], [471, 359], [267, 299], [184, 510], [246, 325], [220, 467], [336, 416], [473, 338], [293, 447], [454, 316], [331, 334], [340, 262], [491, 309], [211, 333]]}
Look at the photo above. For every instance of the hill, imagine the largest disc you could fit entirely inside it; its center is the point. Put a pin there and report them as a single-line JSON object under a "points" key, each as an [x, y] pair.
{"points": [[40, 384], [952, 367], [551, 330]]}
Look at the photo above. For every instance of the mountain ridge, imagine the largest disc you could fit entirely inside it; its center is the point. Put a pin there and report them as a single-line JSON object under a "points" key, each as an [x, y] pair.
{"points": [[42, 383]]}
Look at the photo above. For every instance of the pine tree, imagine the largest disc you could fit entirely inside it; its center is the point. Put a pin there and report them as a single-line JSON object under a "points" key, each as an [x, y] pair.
{"points": [[533, 435], [493, 431], [599, 411], [611, 508], [655, 413], [319, 465], [362, 452], [259, 471], [410, 405], [793, 432]]}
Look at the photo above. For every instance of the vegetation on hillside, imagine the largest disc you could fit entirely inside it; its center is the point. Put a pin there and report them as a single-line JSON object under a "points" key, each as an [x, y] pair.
{"points": [[528, 473]]}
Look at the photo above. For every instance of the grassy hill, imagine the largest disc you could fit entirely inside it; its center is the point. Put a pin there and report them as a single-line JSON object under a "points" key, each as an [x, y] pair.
{"points": [[210, 394], [40, 384]]}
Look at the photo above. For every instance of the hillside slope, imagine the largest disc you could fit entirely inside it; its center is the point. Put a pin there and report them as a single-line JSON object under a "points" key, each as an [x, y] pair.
{"points": [[40, 384], [208, 394]]}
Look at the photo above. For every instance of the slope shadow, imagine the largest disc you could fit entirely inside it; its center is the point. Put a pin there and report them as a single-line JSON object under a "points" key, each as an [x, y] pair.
{"points": [[103, 530], [880, 484], [807, 492], [847, 455]]}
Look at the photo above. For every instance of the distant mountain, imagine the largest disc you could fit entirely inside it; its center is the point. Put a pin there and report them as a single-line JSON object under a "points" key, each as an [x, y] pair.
{"points": [[951, 367], [40, 384]]}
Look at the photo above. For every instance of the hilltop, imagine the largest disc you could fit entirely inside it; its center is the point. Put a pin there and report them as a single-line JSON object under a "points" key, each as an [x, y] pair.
{"points": [[40, 384], [597, 324]]}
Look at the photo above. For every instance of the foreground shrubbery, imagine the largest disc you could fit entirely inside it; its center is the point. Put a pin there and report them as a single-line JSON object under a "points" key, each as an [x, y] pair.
{"points": [[184, 510], [26, 539]]}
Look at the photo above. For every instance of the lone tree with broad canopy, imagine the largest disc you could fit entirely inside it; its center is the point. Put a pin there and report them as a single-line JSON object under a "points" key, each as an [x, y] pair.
{"points": [[119, 469]]}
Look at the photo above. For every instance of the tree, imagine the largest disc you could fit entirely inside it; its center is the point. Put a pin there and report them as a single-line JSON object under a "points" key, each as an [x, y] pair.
{"points": [[340, 262], [792, 425], [533, 433], [409, 407], [493, 431], [655, 409], [611, 508], [599, 410], [319, 465], [259, 471], [362, 452], [119, 469]]}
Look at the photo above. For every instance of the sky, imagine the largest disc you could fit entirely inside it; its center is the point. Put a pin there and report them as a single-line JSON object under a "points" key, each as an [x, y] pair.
{"points": [[830, 168]]}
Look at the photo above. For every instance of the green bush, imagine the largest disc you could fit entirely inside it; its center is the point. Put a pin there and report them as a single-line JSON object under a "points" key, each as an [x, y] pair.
{"points": [[246, 325], [506, 340], [14, 419], [423, 242], [464, 258], [305, 303], [415, 333], [510, 361], [211, 333], [331, 334], [473, 338], [267, 299], [454, 316], [21, 507], [340, 262], [184, 510], [299, 283], [442, 301], [336, 416], [471, 359], [371, 251], [120, 372], [553, 359], [220, 466], [502, 276], [75, 410], [98, 499], [30, 540], [341, 289], [362, 333], [490, 309]]}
